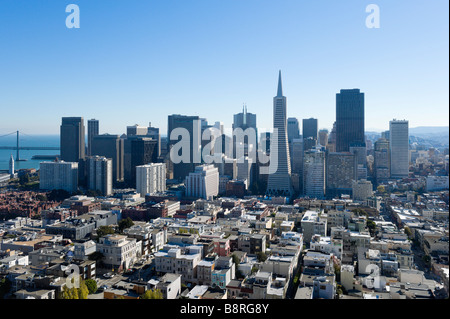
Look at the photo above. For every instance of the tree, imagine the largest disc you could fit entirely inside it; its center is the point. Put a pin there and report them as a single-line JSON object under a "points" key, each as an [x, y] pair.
{"points": [[381, 189], [81, 292], [104, 230], [58, 195], [24, 179], [408, 232], [91, 285], [152, 294], [125, 223], [372, 227], [261, 256]]}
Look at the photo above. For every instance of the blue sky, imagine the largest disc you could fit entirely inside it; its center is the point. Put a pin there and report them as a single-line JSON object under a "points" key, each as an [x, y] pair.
{"points": [[137, 61]]}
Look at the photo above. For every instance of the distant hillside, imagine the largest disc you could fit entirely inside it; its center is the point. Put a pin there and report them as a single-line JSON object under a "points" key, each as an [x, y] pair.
{"points": [[427, 130], [436, 136]]}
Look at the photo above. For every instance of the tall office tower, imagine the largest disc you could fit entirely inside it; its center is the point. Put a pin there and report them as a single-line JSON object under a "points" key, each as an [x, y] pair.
{"points": [[399, 146], [310, 127], [293, 129], [93, 130], [360, 152], [58, 175], [331, 146], [143, 151], [382, 161], [279, 183], [11, 166], [203, 182], [341, 171], [244, 121], [314, 173], [99, 171], [349, 119], [385, 135], [219, 125], [145, 131], [264, 142], [110, 146], [150, 178], [72, 139], [296, 151], [193, 126], [323, 137], [246, 169]]}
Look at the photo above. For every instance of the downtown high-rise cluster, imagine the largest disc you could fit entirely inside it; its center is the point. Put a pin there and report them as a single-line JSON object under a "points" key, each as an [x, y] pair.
{"points": [[307, 162]]}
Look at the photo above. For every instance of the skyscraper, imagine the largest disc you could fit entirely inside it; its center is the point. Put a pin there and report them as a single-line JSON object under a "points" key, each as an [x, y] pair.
{"points": [[244, 121], [349, 120], [293, 129], [110, 146], [143, 151], [93, 130], [341, 171], [279, 183], [399, 147], [296, 152], [99, 171], [72, 139], [309, 132], [314, 173], [193, 126], [382, 160], [323, 137]]}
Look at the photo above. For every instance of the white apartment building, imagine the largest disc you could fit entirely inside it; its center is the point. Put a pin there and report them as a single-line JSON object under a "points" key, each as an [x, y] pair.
{"points": [[203, 182], [173, 259], [326, 245], [119, 251], [150, 178], [313, 224], [58, 175], [100, 174]]}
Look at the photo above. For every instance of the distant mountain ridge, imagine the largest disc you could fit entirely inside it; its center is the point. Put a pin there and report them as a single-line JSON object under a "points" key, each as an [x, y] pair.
{"points": [[429, 130]]}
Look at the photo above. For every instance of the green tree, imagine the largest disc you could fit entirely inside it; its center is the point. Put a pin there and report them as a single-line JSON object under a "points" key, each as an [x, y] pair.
{"points": [[125, 223], [104, 230], [372, 227], [91, 285], [152, 294], [24, 179], [408, 232], [262, 257], [58, 195]]}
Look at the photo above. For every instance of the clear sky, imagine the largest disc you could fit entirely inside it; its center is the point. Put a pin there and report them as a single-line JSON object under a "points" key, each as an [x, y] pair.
{"points": [[137, 61]]}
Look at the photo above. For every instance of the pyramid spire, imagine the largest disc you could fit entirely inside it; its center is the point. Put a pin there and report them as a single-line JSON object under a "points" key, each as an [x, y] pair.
{"points": [[280, 87]]}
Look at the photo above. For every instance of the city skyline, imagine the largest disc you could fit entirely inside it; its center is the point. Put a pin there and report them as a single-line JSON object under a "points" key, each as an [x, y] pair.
{"points": [[92, 72]]}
